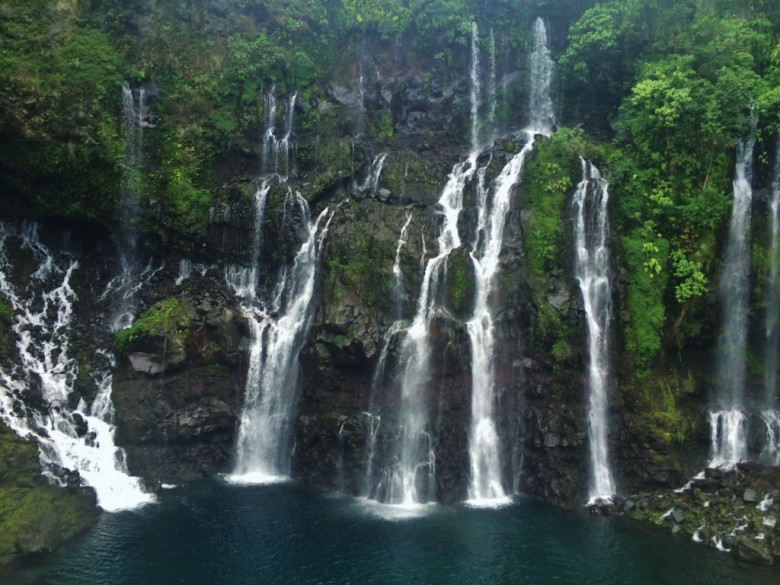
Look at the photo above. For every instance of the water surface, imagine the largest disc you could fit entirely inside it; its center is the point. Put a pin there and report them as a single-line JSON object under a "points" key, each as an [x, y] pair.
{"points": [[216, 533]]}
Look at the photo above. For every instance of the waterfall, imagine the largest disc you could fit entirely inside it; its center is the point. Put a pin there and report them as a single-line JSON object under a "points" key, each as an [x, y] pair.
{"points": [[398, 284], [132, 129], [286, 148], [361, 114], [279, 153], [278, 329], [542, 68], [476, 87], [492, 100], [371, 184], [378, 379], [374, 422], [185, 270], [770, 454], [486, 487], [592, 269], [729, 424], [411, 481], [79, 439], [269, 136], [770, 413], [123, 289]]}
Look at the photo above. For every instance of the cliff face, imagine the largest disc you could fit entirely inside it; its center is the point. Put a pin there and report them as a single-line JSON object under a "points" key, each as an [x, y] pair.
{"points": [[179, 380], [369, 127]]}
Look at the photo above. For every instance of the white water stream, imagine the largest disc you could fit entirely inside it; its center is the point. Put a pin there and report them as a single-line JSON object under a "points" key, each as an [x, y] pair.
{"points": [[279, 153], [81, 438], [729, 421], [770, 452], [279, 326], [592, 269]]}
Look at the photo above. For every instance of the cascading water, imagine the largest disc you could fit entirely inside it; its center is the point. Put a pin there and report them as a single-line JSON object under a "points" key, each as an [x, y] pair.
{"points": [[411, 479], [361, 114], [398, 285], [123, 288], [770, 414], [492, 100], [378, 381], [476, 89], [542, 70], [185, 270], [485, 488], [770, 454], [729, 422], [132, 129], [79, 439], [269, 136], [286, 149], [279, 154], [278, 330], [371, 184], [592, 269]]}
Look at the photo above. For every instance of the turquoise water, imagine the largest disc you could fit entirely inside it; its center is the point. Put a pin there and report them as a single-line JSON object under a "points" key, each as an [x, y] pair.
{"points": [[215, 533]]}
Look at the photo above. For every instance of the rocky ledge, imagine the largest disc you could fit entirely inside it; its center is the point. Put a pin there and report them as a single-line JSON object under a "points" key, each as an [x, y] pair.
{"points": [[733, 510], [36, 517]]}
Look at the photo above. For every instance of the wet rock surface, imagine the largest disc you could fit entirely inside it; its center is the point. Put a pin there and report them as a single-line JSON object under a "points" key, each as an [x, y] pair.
{"points": [[178, 394], [732, 510], [36, 517]]}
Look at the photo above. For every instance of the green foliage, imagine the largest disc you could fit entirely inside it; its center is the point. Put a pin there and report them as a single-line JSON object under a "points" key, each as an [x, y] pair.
{"points": [[679, 80], [183, 171], [646, 284], [59, 92], [6, 311], [659, 399], [167, 319], [551, 334], [690, 280], [358, 266], [549, 177], [460, 288], [382, 127], [387, 16]]}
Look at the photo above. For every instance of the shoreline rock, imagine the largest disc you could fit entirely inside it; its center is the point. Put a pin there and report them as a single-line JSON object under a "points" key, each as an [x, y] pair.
{"points": [[733, 510]]}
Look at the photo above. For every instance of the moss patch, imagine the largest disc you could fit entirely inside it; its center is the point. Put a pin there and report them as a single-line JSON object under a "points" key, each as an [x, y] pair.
{"points": [[35, 517], [549, 177], [660, 401], [167, 320]]}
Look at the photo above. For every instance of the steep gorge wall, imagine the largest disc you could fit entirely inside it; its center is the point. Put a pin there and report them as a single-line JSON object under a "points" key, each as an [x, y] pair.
{"points": [[179, 383]]}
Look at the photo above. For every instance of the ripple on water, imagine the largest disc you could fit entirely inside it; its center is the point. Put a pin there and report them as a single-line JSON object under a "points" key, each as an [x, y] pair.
{"points": [[217, 532]]}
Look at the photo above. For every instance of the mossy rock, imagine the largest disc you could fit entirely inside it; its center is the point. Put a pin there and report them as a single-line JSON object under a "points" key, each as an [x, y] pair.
{"points": [[459, 292], [19, 466], [38, 520], [163, 328], [411, 178], [35, 517], [5, 328]]}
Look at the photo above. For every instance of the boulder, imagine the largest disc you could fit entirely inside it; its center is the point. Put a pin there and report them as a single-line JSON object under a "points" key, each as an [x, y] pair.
{"points": [[750, 496], [752, 551]]}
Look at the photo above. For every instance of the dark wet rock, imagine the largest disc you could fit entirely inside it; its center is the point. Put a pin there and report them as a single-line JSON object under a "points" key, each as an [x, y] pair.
{"points": [[752, 551], [80, 424], [719, 514]]}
